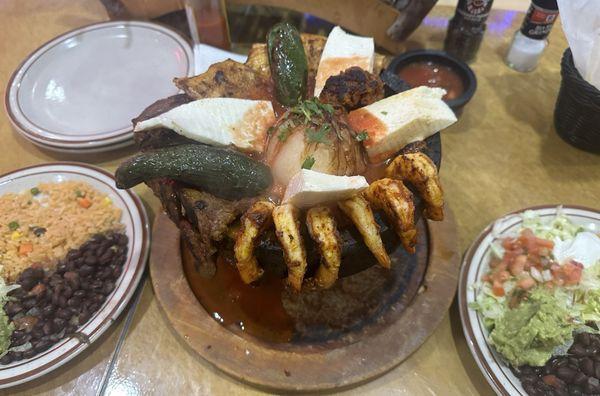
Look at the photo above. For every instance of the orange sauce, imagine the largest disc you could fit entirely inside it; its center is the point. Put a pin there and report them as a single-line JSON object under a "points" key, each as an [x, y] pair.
{"points": [[254, 310], [433, 75]]}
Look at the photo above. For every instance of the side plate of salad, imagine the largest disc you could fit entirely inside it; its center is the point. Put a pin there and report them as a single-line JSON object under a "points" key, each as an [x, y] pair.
{"points": [[529, 298]]}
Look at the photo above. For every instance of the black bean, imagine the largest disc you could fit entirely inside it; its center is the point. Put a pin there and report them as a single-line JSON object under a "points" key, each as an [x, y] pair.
{"points": [[74, 302], [575, 390], [106, 273], [597, 369], [587, 366], [97, 285], [84, 284], [73, 254], [48, 311], [67, 292], [98, 298], [84, 317], [71, 328], [61, 268], [12, 308], [35, 311], [579, 378], [577, 349], [42, 345], [6, 359], [59, 323], [592, 385], [116, 272], [28, 353], [48, 328], [108, 287], [86, 270], [29, 303], [79, 294], [28, 283], [94, 307], [90, 260], [17, 293], [558, 362], [64, 313], [106, 257], [62, 301], [72, 278], [566, 374], [37, 333], [583, 339]]}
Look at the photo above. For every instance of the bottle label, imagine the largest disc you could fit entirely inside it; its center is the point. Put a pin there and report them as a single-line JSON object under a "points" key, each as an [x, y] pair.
{"points": [[474, 10], [538, 22]]}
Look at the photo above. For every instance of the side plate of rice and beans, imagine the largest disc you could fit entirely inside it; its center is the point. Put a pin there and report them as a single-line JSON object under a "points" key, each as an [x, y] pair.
{"points": [[72, 252], [529, 298]]}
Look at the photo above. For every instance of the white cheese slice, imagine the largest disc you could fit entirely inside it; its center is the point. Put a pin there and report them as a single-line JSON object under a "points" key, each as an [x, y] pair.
{"points": [[308, 188], [219, 122], [395, 121], [341, 51], [584, 248]]}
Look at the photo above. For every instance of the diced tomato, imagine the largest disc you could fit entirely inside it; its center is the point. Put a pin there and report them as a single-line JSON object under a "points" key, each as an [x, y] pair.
{"points": [[518, 265], [572, 271], [25, 248], [498, 289], [526, 283]]}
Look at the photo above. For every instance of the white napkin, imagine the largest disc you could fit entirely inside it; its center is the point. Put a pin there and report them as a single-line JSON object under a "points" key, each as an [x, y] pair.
{"points": [[206, 55], [581, 24]]}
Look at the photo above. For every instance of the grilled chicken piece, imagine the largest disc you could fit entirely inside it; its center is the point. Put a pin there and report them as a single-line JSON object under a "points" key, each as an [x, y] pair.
{"points": [[396, 201], [287, 229], [313, 44], [352, 88], [359, 211], [253, 223], [227, 79], [323, 230], [420, 171]]}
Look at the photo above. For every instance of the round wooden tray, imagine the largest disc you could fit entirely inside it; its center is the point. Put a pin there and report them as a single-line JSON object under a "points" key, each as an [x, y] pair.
{"points": [[309, 367]]}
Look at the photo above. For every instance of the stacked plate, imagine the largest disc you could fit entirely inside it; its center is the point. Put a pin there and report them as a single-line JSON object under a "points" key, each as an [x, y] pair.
{"points": [[78, 92]]}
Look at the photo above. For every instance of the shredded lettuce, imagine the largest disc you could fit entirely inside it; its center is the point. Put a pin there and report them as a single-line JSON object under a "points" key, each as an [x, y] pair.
{"points": [[559, 227]]}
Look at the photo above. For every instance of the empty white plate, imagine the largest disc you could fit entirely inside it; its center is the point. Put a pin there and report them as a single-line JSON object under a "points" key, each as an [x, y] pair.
{"points": [[81, 90]]}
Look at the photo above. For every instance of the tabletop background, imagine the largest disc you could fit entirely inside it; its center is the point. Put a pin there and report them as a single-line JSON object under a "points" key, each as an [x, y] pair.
{"points": [[502, 155]]}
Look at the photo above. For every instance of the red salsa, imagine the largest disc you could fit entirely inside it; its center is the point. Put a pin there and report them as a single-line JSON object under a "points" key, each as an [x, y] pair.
{"points": [[433, 75]]}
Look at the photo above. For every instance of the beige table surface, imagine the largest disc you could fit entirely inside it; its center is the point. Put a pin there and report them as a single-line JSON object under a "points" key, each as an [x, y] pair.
{"points": [[502, 155]]}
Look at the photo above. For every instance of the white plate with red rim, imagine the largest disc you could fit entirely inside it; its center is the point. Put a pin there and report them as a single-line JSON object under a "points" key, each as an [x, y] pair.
{"points": [[134, 218], [475, 264], [79, 90]]}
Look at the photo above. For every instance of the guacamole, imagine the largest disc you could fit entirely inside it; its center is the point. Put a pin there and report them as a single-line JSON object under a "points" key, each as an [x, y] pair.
{"points": [[529, 333]]}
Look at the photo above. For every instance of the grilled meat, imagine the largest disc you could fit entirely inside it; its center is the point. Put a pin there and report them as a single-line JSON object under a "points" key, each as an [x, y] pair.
{"points": [[353, 88], [227, 79], [254, 222], [209, 214], [160, 137]]}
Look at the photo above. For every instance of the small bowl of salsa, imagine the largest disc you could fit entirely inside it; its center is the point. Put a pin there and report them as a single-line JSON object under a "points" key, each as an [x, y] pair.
{"points": [[436, 69]]}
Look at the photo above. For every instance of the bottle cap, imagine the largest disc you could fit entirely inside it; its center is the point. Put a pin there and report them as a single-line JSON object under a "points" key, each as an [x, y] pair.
{"points": [[546, 4]]}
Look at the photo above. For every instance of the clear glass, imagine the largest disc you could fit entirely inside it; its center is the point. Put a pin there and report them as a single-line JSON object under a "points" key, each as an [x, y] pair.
{"points": [[524, 53]]}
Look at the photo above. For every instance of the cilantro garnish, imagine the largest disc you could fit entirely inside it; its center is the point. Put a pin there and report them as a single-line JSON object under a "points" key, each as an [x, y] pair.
{"points": [[308, 162], [362, 136]]}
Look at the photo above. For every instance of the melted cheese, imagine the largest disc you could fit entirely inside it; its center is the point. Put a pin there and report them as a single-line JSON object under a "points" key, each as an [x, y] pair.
{"points": [[219, 122], [308, 188], [407, 117]]}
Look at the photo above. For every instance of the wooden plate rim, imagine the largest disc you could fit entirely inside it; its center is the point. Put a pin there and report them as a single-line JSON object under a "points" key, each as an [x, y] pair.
{"points": [[314, 368]]}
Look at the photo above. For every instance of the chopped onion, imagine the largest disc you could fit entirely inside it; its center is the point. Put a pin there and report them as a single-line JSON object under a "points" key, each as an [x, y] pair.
{"points": [[547, 275], [536, 274]]}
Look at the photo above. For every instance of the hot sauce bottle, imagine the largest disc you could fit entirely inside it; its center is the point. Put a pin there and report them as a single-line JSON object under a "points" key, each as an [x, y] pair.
{"points": [[466, 28]]}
